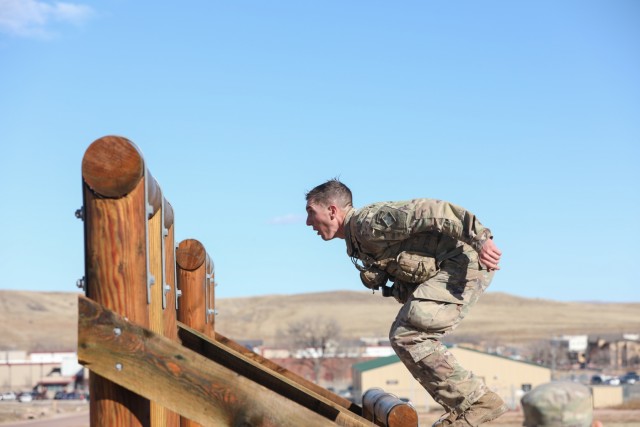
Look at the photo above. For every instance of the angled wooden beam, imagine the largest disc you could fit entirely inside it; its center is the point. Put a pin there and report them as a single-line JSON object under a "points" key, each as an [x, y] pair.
{"points": [[272, 379], [177, 378], [272, 366]]}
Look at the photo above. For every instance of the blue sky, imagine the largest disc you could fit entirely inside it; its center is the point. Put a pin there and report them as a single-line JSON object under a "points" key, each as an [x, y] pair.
{"points": [[526, 113]]}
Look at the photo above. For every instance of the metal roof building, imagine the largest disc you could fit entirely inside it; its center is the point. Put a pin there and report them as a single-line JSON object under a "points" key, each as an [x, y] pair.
{"points": [[507, 377]]}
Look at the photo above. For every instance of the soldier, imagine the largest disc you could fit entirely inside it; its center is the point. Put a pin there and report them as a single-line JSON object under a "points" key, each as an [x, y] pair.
{"points": [[440, 260], [559, 404]]}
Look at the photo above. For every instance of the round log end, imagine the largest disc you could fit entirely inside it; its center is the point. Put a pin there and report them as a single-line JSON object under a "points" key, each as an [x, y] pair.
{"points": [[190, 254], [112, 166], [168, 214], [402, 415]]}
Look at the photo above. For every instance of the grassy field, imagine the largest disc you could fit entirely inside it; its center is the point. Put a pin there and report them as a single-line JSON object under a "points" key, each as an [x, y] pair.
{"points": [[46, 321]]}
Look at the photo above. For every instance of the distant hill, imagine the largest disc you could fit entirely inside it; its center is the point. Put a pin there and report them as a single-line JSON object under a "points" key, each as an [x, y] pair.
{"points": [[46, 321]]}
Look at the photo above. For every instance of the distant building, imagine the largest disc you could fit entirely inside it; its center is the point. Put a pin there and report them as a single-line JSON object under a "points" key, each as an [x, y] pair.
{"points": [[507, 377], [615, 352], [20, 371], [569, 351]]}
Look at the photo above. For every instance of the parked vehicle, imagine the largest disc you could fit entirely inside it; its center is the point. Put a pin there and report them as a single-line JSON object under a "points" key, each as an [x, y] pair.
{"points": [[74, 395], [613, 381], [25, 397], [605, 379], [630, 378], [8, 396]]}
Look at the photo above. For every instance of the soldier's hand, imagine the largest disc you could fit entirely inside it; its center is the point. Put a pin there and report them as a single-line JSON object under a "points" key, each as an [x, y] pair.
{"points": [[490, 255]]}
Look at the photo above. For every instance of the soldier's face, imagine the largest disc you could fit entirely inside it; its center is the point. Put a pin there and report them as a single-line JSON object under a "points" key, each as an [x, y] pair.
{"points": [[322, 219]]}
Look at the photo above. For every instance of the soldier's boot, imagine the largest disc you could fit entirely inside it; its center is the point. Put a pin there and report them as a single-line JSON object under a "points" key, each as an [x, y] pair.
{"points": [[445, 421], [489, 407]]}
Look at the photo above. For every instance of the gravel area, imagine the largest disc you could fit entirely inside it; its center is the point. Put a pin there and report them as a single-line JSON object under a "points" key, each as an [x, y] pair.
{"points": [[39, 409]]}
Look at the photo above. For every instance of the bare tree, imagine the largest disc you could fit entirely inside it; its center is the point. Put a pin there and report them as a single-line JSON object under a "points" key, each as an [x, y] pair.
{"points": [[312, 340]]}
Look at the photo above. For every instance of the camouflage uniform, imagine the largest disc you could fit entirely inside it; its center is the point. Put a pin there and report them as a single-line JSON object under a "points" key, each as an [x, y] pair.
{"points": [[429, 249], [558, 404]]}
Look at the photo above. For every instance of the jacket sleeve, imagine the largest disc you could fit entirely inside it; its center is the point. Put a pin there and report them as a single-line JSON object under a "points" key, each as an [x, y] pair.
{"points": [[447, 218]]}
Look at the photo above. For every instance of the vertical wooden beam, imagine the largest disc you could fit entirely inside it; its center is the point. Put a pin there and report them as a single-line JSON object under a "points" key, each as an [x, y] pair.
{"points": [[192, 267], [170, 309], [156, 312], [114, 194]]}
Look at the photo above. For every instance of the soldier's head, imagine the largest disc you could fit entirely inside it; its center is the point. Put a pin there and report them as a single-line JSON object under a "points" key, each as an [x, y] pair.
{"points": [[327, 205], [558, 404]]}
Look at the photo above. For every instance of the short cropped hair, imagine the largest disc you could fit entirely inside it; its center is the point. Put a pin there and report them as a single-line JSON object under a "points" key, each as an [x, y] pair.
{"points": [[332, 191]]}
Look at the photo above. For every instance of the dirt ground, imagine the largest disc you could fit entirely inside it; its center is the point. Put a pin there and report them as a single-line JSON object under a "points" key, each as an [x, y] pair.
{"points": [[608, 417], [38, 409], [15, 411]]}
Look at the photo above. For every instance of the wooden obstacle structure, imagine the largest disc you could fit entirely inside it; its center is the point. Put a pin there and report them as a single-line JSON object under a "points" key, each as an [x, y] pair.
{"points": [[146, 327]]}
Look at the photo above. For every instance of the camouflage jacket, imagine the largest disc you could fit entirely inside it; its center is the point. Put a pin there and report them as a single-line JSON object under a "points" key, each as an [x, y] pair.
{"points": [[378, 234]]}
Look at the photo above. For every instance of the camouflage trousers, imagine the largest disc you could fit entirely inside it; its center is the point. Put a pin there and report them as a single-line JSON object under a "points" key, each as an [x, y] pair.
{"points": [[419, 327]]}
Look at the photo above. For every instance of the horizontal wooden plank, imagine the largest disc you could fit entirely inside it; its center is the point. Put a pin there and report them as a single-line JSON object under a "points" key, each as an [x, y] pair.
{"points": [[177, 378]]}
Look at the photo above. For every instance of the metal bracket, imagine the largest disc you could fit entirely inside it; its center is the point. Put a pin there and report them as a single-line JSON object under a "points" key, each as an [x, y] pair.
{"points": [[178, 292], [208, 291], [148, 211], [207, 278], [165, 232]]}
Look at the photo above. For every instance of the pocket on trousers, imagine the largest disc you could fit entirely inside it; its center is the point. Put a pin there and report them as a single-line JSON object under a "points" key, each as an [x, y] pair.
{"points": [[434, 316]]}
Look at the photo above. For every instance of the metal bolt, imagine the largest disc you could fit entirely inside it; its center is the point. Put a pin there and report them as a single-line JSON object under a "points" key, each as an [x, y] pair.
{"points": [[82, 283], [118, 366], [80, 213]]}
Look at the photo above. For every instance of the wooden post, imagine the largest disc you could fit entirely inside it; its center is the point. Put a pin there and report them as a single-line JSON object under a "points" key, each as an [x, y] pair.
{"points": [[194, 270], [115, 213], [170, 297], [195, 281], [161, 312]]}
